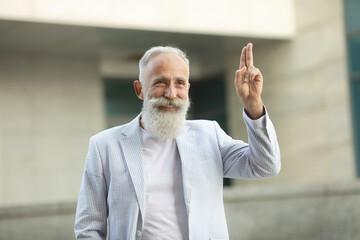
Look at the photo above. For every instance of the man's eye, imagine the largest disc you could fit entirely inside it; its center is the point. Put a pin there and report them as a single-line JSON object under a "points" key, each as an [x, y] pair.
{"points": [[159, 83], [181, 82]]}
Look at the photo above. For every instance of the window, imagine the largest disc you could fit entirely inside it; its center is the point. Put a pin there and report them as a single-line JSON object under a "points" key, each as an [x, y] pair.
{"points": [[122, 104], [352, 19]]}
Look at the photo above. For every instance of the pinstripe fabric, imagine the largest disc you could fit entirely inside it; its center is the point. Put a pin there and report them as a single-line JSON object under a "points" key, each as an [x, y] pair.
{"points": [[113, 181]]}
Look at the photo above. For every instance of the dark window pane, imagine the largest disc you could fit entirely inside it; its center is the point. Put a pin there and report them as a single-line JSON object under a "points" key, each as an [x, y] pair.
{"points": [[356, 110], [121, 98], [352, 11], [354, 54]]}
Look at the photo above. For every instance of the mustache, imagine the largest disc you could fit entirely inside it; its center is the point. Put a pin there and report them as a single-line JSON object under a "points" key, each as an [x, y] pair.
{"points": [[165, 102]]}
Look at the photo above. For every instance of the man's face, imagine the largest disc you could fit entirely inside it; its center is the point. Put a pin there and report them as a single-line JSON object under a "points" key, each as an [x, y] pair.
{"points": [[166, 75], [164, 90]]}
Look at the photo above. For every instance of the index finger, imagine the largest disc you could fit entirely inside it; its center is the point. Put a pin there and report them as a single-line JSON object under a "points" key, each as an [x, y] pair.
{"points": [[242, 58], [249, 55]]}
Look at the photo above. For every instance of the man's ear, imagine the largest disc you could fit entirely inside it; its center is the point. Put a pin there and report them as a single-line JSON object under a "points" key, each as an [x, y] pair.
{"points": [[138, 89]]}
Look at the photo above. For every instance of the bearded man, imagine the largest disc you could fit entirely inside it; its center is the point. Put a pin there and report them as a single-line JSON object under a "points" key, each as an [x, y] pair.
{"points": [[160, 177]]}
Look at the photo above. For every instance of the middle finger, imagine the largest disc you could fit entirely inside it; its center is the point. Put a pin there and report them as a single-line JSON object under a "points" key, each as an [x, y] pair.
{"points": [[249, 55]]}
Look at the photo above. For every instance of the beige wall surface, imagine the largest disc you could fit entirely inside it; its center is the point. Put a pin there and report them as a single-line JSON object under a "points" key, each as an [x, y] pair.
{"points": [[257, 18], [307, 96], [49, 107]]}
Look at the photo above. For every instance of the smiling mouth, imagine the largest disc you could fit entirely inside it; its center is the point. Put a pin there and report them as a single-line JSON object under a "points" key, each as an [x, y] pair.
{"points": [[168, 109]]}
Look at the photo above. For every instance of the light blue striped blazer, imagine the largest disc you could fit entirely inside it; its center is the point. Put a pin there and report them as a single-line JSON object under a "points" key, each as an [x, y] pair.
{"points": [[113, 186]]}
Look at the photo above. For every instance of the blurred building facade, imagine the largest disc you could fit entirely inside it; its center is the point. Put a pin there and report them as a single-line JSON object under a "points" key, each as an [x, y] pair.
{"points": [[66, 72]]}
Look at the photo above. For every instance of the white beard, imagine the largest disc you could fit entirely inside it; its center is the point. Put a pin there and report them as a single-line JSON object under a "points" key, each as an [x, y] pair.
{"points": [[164, 124]]}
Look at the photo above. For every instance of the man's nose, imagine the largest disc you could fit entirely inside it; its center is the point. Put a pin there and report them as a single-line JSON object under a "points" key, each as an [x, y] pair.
{"points": [[170, 92]]}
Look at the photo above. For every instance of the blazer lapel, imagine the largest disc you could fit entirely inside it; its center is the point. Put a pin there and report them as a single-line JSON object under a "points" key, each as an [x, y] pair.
{"points": [[187, 150], [132, 148]]}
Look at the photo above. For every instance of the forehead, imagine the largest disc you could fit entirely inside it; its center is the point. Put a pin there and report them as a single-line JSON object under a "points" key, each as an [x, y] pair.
{"points": [[167, 63]]}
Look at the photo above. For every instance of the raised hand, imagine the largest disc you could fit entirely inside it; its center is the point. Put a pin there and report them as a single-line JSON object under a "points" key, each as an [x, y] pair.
{"points": [[249, 83]]}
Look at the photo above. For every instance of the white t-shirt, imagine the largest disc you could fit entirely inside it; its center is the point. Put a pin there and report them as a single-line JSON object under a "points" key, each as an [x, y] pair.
{"points": [[165, 210]]}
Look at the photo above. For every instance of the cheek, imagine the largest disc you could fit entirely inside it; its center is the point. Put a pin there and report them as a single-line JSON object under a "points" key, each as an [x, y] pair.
{"points": [[155, 93], [183, 94]]}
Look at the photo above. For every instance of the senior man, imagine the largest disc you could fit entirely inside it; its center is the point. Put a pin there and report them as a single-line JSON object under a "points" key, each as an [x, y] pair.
{"points": [[160, 177]]}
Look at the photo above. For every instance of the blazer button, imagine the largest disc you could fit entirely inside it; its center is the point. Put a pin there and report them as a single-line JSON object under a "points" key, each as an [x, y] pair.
{"points": [[138, 233]]}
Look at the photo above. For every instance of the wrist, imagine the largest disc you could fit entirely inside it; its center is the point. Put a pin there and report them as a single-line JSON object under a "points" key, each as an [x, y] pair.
{"points": [[255, 111]]}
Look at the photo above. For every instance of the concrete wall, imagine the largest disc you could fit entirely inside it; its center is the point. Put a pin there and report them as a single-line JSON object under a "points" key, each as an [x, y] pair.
{"points": [[321, 212], [45, 221], [49, 107], [307, 96]]}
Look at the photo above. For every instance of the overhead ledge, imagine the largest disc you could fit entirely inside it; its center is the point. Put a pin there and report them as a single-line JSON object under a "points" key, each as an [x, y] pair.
{"points": [[256, 18]]}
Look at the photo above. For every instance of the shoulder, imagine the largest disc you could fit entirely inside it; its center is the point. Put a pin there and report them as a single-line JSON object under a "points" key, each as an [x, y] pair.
{"points": [[199, 122], [108, 132], [109, 135], [116, 133], [202, 125]]}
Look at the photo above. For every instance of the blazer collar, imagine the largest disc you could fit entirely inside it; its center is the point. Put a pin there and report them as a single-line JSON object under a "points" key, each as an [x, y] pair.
{"points": [[132, 148], [187, 151]]}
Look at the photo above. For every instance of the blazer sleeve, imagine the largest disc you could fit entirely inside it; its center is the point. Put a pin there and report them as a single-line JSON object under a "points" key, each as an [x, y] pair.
{"points": [[92, 211], [259, 158]]}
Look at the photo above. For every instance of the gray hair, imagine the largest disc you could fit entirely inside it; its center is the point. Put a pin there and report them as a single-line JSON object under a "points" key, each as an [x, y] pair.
{"points": [[154, 51]]}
